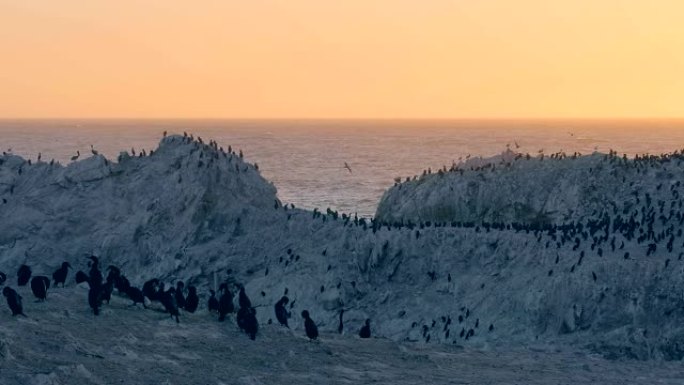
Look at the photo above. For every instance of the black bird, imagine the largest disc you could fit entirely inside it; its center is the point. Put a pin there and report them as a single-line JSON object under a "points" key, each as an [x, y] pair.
{"points": [[340, 327], [23, 275], [81, 277], [365, 330], [113, 274], [213, 302], [243, 299], [309, 326], [136, 295], [122, 284], [246, 318], [94, 298], [150, 289], [225, 303], [281, 311], [3, 277], [252, 326], [113, 277], [60, 275], [13, 301], [168, 299], [95, 283], [180, 298], [106, 291], [192, 300], [39, 286], [95, 275], [241, 317]]}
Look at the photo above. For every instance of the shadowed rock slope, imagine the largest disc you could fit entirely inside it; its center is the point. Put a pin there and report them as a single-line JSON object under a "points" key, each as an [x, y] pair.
{"points": [[191, 211]]}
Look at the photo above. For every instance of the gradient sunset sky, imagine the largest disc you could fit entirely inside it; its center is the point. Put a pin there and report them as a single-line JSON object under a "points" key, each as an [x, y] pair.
{"points": [[342, 59]]}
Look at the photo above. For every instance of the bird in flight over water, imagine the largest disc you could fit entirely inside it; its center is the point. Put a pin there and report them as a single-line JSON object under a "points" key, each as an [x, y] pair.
{"points": [[346, 165]]}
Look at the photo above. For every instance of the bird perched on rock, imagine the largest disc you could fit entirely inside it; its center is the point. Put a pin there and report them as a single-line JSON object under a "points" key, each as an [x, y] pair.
{"points": [[225, 303], [39, 286], [13, 301], [60, 275], [213, 303], [309, 326], [192, 300], [281, 311], [365, 331], [23, 275]]}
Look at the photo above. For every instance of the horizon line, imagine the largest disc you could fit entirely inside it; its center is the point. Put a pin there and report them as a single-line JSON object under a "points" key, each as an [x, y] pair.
{"points": [[605, 118]]}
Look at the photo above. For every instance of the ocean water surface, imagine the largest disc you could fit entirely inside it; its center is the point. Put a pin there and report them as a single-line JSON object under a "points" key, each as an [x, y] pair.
{"points": [[305, 159]]}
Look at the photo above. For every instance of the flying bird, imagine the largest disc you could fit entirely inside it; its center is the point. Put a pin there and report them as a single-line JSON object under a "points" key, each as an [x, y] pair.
{"points": [[346, 165]]}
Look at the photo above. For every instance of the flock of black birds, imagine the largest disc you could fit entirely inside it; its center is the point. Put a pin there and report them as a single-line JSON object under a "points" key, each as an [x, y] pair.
{"points": [[516, 156], [651, 217], [173, 300], [649, 221]]}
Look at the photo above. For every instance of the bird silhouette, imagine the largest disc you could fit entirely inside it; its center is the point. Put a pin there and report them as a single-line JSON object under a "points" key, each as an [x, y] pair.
{"points": [[346, 165], [76, 156]]}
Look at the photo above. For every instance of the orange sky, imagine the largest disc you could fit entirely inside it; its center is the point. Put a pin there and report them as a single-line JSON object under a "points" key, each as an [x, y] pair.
{"points": [[342, 58]]}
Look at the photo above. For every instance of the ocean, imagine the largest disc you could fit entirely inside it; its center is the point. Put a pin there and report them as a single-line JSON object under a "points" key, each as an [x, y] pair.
{"points": [[305, 159]]}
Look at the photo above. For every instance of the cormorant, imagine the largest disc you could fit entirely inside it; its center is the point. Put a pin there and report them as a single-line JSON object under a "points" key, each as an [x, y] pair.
{"points": [[250, 325], [150, 289], [95, 283], [169, 301], [225, 303], [213, 302], [309, 326], [192, 300], [95, 275], [180, 298], [281, 311], [39, 286], [81, 277], [60, 275], [244, 301], [23, 275], [13, 301], [136, 295], [365, 331]]}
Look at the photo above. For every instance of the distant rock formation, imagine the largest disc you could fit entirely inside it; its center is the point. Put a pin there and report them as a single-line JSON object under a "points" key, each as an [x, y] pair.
{"points": [[539, 190]]}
